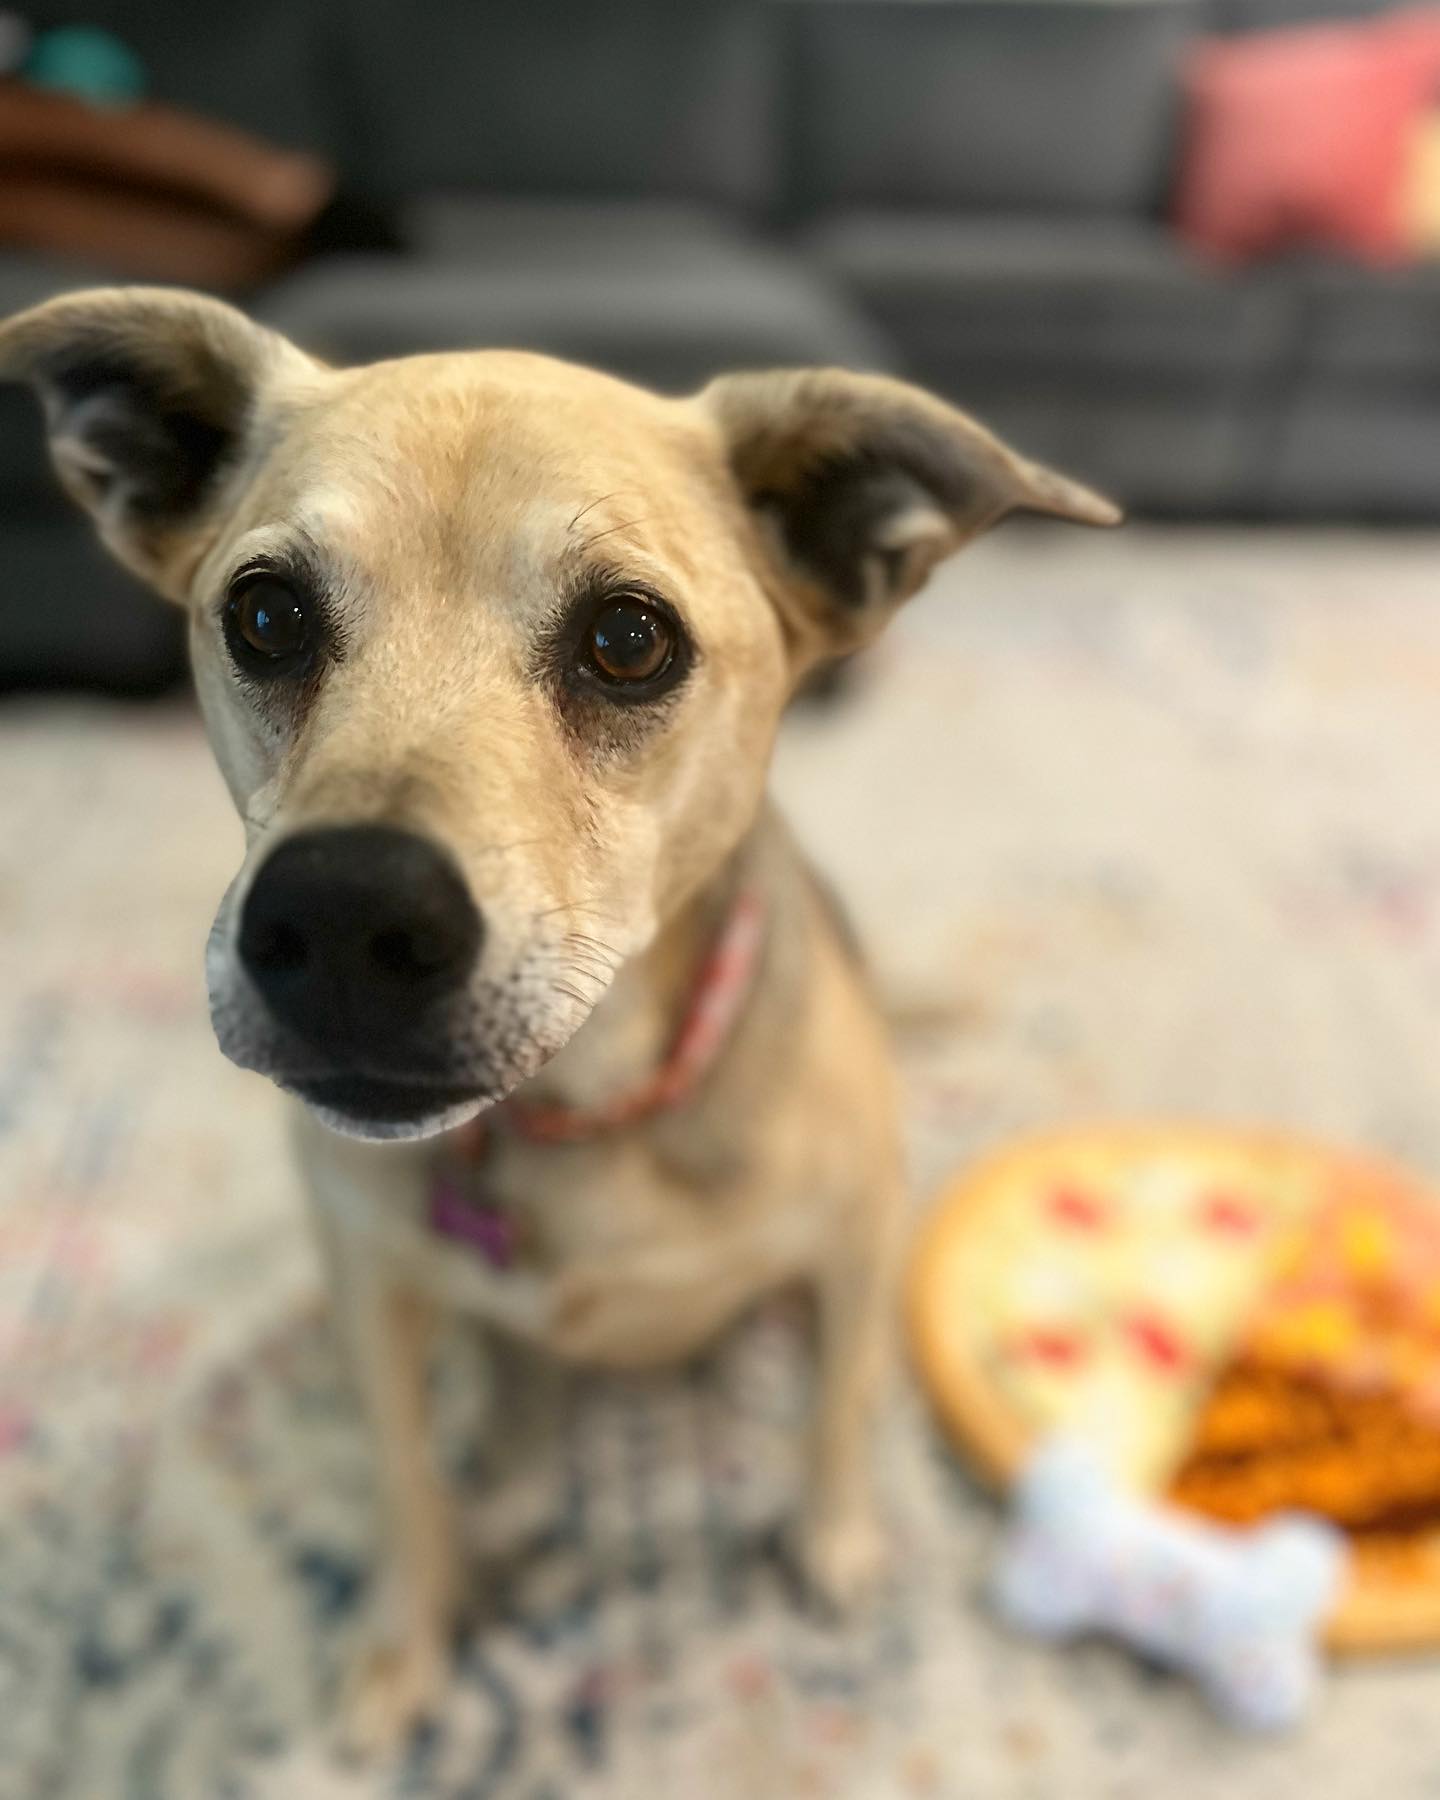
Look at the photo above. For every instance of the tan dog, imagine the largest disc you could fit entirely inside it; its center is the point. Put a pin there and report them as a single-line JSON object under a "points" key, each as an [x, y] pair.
{"points": [[493, 651]]}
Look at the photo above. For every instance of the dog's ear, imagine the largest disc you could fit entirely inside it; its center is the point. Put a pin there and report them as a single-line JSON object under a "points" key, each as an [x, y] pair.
{"points": [[864, 484], [150, 397]]}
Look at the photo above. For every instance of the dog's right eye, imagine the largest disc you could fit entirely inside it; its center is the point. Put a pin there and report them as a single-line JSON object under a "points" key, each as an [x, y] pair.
{"points": [[269, 627]]}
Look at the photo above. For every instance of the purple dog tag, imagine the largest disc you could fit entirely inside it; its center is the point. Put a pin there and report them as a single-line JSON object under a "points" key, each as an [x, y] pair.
{"points": [[454, 1215]]}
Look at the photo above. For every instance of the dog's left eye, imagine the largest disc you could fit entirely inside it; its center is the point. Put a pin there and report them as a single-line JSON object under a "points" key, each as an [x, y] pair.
{"points": [[630, 641], [269, 627]]}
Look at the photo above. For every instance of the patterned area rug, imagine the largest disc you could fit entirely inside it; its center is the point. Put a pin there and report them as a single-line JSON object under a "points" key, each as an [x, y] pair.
{"points": [[1133, 825]]}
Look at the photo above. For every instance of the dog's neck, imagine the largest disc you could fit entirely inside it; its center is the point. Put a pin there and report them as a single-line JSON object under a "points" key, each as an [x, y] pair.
{"points": [[631, 1030]]}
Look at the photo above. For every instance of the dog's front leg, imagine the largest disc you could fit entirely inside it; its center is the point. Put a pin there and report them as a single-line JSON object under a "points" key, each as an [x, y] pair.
{"points": [[385, 1327], [843, 1547], [401, 1670]]}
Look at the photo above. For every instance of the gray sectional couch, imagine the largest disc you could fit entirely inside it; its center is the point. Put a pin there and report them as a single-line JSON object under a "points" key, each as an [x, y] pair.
{"points": [[970, 192]]}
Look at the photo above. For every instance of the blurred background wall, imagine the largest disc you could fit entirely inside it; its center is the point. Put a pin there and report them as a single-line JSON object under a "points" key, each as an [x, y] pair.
{"points": [[1032, 206]]}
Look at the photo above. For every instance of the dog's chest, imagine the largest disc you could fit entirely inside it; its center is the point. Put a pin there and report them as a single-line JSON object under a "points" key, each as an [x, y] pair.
{"points": [[542, 1210], [603, 1243]]}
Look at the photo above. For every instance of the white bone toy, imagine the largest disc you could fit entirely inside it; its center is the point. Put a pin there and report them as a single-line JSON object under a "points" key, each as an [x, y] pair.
{"points": [[1239, 1610]]}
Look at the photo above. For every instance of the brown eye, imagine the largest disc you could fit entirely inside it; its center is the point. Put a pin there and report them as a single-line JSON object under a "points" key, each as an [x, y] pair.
{"points": [[268, 627], [630, 641]]}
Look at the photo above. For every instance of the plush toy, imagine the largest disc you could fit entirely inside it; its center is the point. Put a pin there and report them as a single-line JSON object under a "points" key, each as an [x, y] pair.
{"points": [[1237, 1324], [1241, 1610]]}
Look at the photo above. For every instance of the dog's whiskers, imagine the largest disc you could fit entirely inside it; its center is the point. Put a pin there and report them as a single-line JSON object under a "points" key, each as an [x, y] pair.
{"points": [[590, 972], [594, 947], [600, 982]]}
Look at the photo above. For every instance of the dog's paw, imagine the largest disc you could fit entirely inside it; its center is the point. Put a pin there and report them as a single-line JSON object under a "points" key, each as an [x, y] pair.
{"points": [[844, 1559], [391, 1689]]}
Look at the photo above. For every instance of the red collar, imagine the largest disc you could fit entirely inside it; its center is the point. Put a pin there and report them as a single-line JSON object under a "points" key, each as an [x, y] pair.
{"points": [[722, 986]]}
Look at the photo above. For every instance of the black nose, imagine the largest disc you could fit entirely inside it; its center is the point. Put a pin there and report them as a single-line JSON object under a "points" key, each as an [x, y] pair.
{"points": [[354, 934]]}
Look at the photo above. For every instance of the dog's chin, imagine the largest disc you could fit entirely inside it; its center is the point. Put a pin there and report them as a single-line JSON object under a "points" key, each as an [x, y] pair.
{"points": [[383, 1111], [390, 1108], [490, 1058]]}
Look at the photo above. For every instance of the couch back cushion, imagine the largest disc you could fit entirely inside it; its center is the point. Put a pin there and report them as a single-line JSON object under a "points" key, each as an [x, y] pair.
{"points": [[1044, 105], [1268, 15], [547, 97]]}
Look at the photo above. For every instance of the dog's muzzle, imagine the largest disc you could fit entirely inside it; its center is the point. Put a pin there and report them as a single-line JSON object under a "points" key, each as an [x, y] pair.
{"points": [[361, 942]]}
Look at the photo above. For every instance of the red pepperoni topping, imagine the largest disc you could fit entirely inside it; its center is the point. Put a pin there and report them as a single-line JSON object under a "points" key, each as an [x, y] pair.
{"points": [[1157, 1340], [1230, 1214], [1053, 1345], [1074, 1206]]}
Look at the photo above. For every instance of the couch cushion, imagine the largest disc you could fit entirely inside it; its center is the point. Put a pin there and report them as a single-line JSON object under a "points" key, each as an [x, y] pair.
{"points": [[1303, 138], [1267, 15], [665, 308], [1168, 449], [547, 97], [1360, 431], [1098, 345], [537, 234], [1046, 104], [71, 617], [1098, 297], [1365, 328], [1342, 452]]}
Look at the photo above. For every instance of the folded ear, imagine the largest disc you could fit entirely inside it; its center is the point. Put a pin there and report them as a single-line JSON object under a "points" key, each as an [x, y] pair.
{"points": [[150, 401], [865, 484]]}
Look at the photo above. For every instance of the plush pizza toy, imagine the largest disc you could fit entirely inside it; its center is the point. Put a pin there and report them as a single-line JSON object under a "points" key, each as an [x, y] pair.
{"points": [[1240, 1326]]}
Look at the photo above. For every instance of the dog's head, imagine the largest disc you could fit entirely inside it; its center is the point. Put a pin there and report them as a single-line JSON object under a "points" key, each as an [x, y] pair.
{"points": [[492, 651]]}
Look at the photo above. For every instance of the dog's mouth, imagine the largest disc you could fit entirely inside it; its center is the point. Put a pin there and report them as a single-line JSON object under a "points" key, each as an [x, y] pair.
{"points": [[384, 1107]]}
